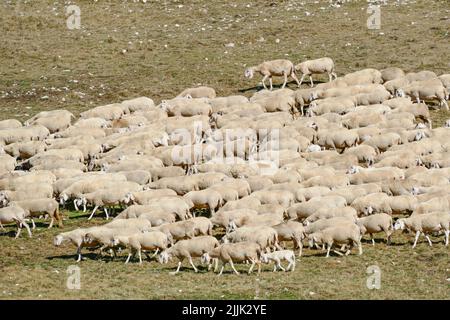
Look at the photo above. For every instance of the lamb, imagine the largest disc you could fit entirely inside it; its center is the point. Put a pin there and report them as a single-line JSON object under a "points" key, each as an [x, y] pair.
{"points": [[189, 249], [277, 256], [154, 240], [317, 66], [236, 252], [291, 231], [376, 223], [14, 215], [209, 197], [199, 92], [268, 69], [426, 224], [36, 207], [342, 234]]}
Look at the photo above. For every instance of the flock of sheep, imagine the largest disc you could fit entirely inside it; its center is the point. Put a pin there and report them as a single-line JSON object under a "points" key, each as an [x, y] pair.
{"points": [[326, 165]]}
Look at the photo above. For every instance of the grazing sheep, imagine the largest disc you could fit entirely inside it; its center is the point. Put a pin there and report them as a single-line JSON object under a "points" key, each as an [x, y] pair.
{"points": [[265, 237], [277, 256], [317, 66], [14, 215], [327, 213], [391, 73], [291, 231], [189, 249], [208, 197], [268, 69]]}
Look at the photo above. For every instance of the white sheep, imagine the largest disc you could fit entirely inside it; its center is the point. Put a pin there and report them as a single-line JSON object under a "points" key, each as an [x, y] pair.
{"points": [[14, 215], [317, 66], [268, 69], [376, 223], [277, 257]]}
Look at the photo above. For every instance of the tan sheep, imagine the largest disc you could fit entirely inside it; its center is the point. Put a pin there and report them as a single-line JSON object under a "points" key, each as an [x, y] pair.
{"points": [[268, 69]]}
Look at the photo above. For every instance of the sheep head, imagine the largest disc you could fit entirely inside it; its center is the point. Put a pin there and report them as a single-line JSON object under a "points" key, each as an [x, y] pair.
{"points": [[164, 257], [399, 224], [248, 73]]}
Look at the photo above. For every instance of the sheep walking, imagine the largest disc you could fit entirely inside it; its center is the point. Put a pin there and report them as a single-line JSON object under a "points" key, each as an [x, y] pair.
{"points": [[317, 66], [268, 69], [14, 215], [277, 256]]}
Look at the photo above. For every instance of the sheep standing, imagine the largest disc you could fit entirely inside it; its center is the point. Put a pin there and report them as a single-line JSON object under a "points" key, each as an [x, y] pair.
{"points": [[14, 215], [277, 256], [268, 69]]}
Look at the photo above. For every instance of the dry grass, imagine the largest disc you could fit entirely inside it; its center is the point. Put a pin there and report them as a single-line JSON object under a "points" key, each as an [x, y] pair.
{"points": [[41, 57]]}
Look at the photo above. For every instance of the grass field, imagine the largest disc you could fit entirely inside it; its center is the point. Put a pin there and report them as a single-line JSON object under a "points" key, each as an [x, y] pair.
{"points": [[171, 45]]}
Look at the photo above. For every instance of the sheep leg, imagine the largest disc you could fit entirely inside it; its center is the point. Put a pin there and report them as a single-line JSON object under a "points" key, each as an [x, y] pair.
{"points": [[279, 265], [328, 251], [178, 269], [301, 79], [329, 77], [129, 257], [75, 205], [93, 211], [232, 266], [19, 229], [33, 224], [294, 76], [429, 240], [156, 252], [285, 81], [264, 81], [79, 254], [51, 223], [310, 78], [252, 266], [84, 207], [192, 264], [221, 269], [334, 74], [270, 83], [416, 238], [339, 253], [1, 227], [373, 240], [446, 233], [106, 212], [140, 255], [216, 264]]}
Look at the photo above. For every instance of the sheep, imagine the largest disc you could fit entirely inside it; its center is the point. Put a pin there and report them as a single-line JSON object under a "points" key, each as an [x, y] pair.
{"points": [[426, 90], [179, 230], [277, 256], [317, 66], [107, 112], [225, 103], [282, 197], [14, 214], [146, 197], [291, 231], [10, 124], [376, 223], [372, 203], [143, 225], [211, 198], [268, 69], [391, 73], [267, 220], [433, 204], [311, 192], [77, 238], [406, 203], [327, 213], [173, 205], [240, 185], [426, 224], [138, 104], [36, 207], [199, 92], [335, 139], [303, 210], [341, 234], [383, 142], [154, 240], [105, 237], [420, 76], [358, 175], [25, 150], [181, 185], [189, 249], [365, 76], [8, 196], [222, 218], [186, 107], [237, 252], [55, 123], [364, 153], [155, 215], [265, 236]]}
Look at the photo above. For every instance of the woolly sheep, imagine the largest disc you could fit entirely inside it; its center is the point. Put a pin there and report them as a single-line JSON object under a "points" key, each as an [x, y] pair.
{"points": [[317, 66], [268, 69], [277, 256], [14, 215], [379, 222]]}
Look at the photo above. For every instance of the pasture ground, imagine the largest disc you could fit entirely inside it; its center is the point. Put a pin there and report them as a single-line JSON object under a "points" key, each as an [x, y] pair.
{"points": [[172, 45]]}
